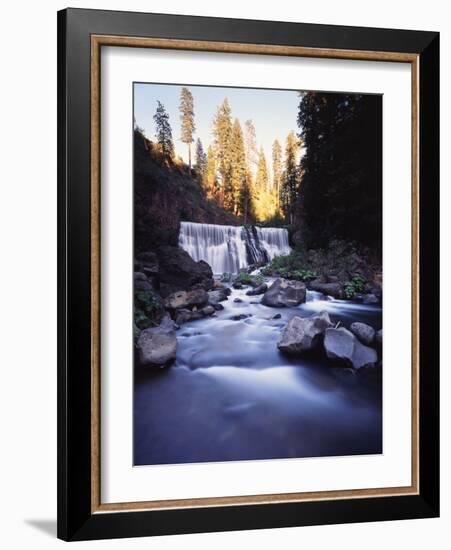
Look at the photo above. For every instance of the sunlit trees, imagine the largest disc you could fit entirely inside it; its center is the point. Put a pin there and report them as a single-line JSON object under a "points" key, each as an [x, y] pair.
{"points": [[277, 169], [187, 117], [163, 131], [201, 159], [222, 129], [210, 178]]}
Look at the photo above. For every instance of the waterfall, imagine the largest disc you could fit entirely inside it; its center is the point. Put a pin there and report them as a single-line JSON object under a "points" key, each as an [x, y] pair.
{"points": [[228, 248]]}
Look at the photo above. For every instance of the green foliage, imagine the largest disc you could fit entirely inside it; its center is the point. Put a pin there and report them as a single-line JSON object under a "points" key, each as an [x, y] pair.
{"points": [[163, 131], [355, 285], [148, 309], [247, 279], [290, 267]]}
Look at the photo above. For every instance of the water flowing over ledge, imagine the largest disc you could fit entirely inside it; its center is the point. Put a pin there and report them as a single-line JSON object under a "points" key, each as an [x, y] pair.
{"points": [[228, 248]]}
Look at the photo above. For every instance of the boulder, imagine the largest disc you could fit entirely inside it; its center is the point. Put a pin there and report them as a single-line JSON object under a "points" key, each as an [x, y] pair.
{"points": [[207, 310], [237, 285], [240, 316], [141, 282], [185, 315], [238, 300], [148, 263], [186, 300], [303, 334], [157, 346], [218, 307], [329, 289], [260, 289], [340, 344], [283, 293], [364, 332], [370, 299], [178, 271], [220, 295]]}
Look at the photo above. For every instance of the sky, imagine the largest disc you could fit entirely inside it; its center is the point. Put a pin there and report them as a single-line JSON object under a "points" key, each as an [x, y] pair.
{"points": [[273, 112]]}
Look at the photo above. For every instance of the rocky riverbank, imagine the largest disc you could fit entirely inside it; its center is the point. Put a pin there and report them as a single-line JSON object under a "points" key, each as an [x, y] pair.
{"points": [[171, 290]]}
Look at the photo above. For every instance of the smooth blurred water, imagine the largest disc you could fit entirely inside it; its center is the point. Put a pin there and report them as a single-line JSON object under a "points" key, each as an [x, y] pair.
{"points": [[231, 395]]}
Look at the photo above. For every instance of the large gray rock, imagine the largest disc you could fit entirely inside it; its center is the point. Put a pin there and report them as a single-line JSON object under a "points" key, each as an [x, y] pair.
{"points": [[340, 344], [283, 293], [186, 300], [157, 346], [260, 289], [141, 282], [178, 271], [370, 299], [330, 289], [219, 295], [364, 332], [304, 334]]}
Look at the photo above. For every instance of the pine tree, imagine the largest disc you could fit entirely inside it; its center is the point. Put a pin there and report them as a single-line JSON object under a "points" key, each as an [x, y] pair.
{"points": [[222, 128], [210, 179], [290, 181], [237, 166], [262, 178], [163, 131], [187, 118], [201, 159], [250, 145], [277, 170]]}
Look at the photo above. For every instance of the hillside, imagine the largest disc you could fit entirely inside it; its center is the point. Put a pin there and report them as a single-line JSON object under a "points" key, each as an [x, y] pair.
{"points": [[166, 193]]}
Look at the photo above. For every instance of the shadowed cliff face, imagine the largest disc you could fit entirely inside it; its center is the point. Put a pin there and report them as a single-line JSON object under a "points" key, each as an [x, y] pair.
{"points": [[164, 194]]}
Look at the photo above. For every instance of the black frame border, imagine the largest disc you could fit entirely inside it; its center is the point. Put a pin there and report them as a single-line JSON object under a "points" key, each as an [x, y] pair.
{"points": [[75, 520]]}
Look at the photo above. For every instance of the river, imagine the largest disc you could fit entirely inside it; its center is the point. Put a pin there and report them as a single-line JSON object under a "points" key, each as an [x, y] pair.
{"points": [[231, 395]]}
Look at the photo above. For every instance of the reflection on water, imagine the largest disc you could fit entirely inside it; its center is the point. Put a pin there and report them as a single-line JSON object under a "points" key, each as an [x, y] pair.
{"points": [[232, 396]]}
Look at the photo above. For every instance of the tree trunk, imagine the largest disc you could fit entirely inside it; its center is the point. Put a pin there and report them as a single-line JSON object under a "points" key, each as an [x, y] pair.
{"points": [[189, 155]]}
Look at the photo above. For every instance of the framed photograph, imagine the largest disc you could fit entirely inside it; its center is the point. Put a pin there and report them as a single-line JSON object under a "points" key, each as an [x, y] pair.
{"points": [[248, 274]]}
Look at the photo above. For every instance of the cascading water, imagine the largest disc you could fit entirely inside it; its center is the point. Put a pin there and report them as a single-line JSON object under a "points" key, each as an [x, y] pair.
{"points": [[228, 248]]}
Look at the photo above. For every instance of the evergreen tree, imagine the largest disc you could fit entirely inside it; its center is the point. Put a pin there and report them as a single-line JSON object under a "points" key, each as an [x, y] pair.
{"points": [[222, 128], [277, 170], [290, 180], [264, 200], [163, 131], [187, 118], [341, 168], [210, 179], [201, 158], [237, 166], [250, 145]]}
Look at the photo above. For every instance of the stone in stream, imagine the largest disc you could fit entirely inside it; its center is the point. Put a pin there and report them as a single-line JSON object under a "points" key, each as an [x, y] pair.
{"points": [[186, 300], [329, 289], [219, 295], [238, 300], [240, 317], [303, 334], [276, 316], [342, 345], [370, 299], [260, 289], [283, 293], [364, 332], [157, 346]]}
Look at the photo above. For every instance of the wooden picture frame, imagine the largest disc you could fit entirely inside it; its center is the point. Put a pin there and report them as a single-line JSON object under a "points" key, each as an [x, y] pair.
{"points": [[81, 35]]}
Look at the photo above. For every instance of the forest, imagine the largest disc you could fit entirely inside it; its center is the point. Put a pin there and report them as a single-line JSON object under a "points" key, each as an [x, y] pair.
{"points": [[326, 179]]}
